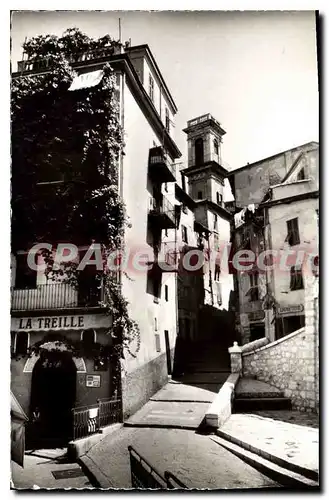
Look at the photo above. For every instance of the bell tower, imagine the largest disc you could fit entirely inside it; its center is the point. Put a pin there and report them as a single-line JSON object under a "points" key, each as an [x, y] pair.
{"points": [[205, 174], [204, 170]]}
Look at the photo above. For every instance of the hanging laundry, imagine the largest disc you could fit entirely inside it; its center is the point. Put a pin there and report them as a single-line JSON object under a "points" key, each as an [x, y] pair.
{"points": [[239, 218]]}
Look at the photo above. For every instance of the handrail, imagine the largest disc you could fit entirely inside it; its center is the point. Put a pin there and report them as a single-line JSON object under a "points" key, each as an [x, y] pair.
{"points": [[170, 481], [169, 476], [152, 472]]}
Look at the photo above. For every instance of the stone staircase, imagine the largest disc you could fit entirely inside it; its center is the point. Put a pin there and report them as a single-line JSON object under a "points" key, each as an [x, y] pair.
{"points": [[254, 395], [206, 366]]}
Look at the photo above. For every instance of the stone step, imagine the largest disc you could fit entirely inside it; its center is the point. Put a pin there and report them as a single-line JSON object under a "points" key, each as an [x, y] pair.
{"points": [[250, 388], [243, 405], [204, 377], [283, 476]]}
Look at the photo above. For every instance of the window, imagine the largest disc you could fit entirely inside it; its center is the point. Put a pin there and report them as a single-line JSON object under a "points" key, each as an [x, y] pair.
{"points": [[88, 337], [216, 146], [198, 146], [166, 293], [253, 290], [22, 343], [218, 289], [183, 182], [156, 283], [166, 187], [184, 234], [157, 343], [215, 221], [301, 175], [151, 88], [296, 278], [292, 232], [219, 198], [200, 195], [167, 120], [155, 324], [26, 278]]}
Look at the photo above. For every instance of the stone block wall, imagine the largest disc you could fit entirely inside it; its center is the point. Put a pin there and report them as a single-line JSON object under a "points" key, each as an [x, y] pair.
{"points": [[292, 362]]}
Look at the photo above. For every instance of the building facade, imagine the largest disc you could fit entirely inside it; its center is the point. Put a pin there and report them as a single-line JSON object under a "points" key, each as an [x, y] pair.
{"points": [[276, 214], [54, 315], [167, 219]]}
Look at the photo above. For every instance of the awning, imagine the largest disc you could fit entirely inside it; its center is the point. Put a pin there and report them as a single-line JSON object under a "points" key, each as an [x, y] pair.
{"points": [[86, 80]]}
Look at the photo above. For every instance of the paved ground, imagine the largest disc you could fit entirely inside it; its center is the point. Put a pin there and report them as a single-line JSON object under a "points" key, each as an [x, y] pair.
{"points": [[296, 444], [291, 416], [193, 458], [175, 405], [183, 392], [38, 471]]}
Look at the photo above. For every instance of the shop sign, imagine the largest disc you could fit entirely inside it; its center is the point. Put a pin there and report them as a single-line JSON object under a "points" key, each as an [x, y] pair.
{"points": [[56, 323], [93, 380], [290, 310]]}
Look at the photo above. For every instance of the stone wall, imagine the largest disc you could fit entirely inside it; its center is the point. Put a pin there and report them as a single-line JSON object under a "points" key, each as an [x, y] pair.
{"points": [[139, 385], [292, 362]]}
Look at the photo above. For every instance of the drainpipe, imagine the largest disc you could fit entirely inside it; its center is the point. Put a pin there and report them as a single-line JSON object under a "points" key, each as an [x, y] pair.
{"points": [[210, 278]]}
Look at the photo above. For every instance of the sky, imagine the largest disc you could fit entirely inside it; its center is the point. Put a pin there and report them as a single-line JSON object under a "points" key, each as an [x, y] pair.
{"points": [[255, 72]]}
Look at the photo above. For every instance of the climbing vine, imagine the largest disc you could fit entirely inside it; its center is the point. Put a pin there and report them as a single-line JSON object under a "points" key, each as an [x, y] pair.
{"points": [[66, 147]]}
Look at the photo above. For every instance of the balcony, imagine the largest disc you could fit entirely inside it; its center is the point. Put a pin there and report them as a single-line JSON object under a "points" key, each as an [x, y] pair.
{"points": [[54, 296], [162, 214], [160, 167], [167, 260]]}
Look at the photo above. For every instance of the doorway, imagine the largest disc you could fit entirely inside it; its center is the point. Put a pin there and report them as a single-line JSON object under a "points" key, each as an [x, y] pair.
{"points": [[52, 399], [168, 355]]}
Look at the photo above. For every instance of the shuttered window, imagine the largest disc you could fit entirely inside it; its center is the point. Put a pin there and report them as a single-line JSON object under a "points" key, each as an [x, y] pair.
{"points": [[292, 232]]}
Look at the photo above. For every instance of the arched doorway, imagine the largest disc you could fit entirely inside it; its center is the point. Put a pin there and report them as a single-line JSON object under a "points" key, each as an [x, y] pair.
{"points": [[52, 398]]}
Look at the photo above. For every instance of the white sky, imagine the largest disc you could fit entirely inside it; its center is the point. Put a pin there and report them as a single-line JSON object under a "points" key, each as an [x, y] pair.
{"points": [[256, 72]]}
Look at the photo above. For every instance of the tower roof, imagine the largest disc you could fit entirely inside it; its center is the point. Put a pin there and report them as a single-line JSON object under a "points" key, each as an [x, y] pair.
{"points": [[202, 121]]}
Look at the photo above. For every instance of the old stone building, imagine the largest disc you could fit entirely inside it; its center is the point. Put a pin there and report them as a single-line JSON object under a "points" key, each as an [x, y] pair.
{"points": [[276, 203], [54, 315], [167, 219]]}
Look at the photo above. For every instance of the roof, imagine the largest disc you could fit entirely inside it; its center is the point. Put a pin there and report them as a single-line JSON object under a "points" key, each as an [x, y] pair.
{"points": [[123, 61], [184, 197], [250, 165], [147, 49]]}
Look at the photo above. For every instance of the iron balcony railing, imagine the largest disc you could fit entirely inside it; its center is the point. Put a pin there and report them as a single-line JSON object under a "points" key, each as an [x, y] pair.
{"points": [[160, 165], [54, 296], [89, 420], [163, 212]]}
